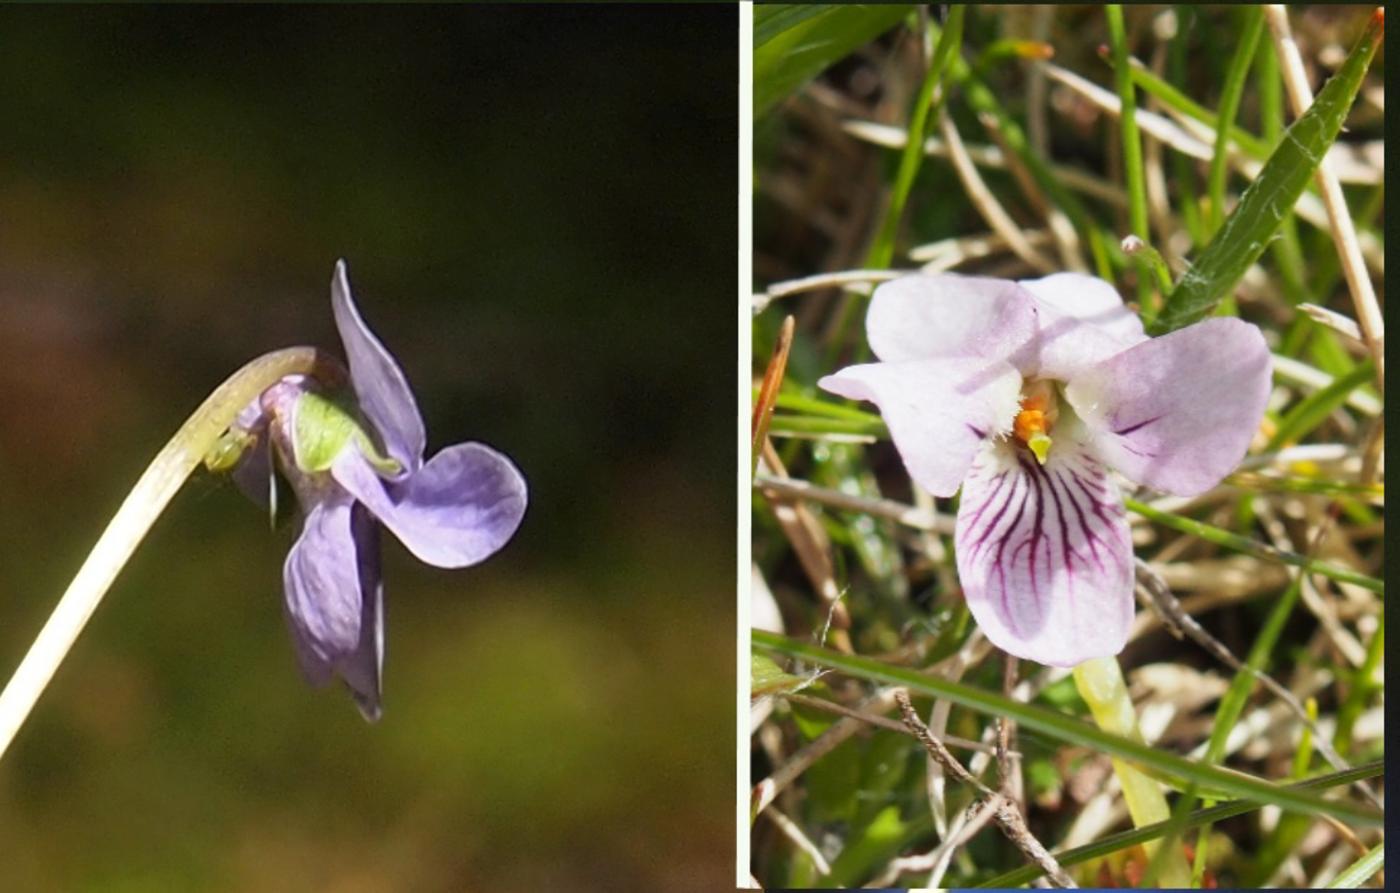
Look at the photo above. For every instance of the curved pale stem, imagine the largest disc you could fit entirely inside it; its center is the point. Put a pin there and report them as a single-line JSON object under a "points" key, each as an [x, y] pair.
{"points": [[1100, 683], [162, 478]]}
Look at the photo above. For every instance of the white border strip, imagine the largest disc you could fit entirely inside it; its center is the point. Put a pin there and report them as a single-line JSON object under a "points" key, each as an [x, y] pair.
{"points": [[744, 408]]}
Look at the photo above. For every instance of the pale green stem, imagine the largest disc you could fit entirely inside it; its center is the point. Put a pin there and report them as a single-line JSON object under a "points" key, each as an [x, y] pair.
{"points": [[1100, 684], [153, 491]]}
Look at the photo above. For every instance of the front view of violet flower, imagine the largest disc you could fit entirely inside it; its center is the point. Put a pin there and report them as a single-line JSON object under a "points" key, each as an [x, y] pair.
{"points": [[355, 462], [1025, 395]]}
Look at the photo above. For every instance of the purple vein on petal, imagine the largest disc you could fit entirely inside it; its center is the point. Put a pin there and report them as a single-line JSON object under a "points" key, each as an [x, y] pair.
{"points": [[1067, 551], [1001, 552], [1032, 542], [1090, 537], [999, 481], [1123, 432]]}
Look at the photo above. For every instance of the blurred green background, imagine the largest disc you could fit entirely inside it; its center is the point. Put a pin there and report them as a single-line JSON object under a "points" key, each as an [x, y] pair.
{"points": [[537, 209]]}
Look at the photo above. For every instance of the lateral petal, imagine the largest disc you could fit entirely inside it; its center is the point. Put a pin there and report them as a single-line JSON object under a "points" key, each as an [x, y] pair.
{"points": [[459, 508], [939, 412], [1044, 554], [1177, 413]]}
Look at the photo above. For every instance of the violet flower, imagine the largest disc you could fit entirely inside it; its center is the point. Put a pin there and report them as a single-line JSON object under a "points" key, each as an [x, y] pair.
{"points": [[355, 463], [1025, 394]]}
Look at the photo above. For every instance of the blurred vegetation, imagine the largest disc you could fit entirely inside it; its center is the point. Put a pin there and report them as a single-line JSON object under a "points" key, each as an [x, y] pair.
{"points": [[851, 555], [536, 208]]}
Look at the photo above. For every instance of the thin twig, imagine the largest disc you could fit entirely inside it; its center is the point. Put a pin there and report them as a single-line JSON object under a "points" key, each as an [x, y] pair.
{"points": [[989, 156], [767, 790], [852, 279], [879, 721], [908, 515], [803, 842], [813, 548], [1337, 322], [1008, 818], [983, 200]]}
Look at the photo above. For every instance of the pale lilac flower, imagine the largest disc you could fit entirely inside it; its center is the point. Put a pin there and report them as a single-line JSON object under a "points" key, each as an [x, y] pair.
{"points": [[1026, 394], [355, 462]]}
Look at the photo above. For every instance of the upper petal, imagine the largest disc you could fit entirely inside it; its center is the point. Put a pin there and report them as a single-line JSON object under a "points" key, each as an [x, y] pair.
{"points": [[948, 315], [939, 412], [459, 508], [1081, 320], [379, 383], [326, 577], [1044, 554], [1177, 413]]}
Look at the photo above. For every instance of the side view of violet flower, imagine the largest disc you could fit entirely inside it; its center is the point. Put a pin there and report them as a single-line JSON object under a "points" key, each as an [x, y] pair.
{"points": [[355, 462], [1025, 395]]}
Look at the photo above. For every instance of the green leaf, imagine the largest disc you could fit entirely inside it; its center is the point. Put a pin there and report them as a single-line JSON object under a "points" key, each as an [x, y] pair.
{"points": [[1070, 730], [1247, 232], [795, 43], [767, 678]]}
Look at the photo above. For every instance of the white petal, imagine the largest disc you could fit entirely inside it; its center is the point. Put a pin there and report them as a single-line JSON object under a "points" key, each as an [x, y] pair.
{"points": [[1044, 554], [939, 412]]}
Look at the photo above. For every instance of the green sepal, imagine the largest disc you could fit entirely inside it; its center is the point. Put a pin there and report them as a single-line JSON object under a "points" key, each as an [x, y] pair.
{"points": [[323, 428], [229, 448]]}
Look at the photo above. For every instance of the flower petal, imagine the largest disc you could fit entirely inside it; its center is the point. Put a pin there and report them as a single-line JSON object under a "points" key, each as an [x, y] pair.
{"points": [[947, 315], [379, 383], [253, 473], [1044, 555], [939, 412], [456, 510], [1178, 412], [326, 577], [363, 669], [1081, 320]]}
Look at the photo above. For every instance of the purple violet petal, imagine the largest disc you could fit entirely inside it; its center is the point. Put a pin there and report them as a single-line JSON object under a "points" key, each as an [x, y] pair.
{"points": [[363, 669], [1044, 554], [459, 508], [324, 590], [253, 473], [948, 315], [1081, 320], [380, 386], [939, 412], [1178, 412]]}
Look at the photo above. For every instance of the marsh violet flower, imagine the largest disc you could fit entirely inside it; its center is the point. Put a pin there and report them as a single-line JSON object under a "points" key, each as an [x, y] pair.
{"points": [[1026, 394], [355, 462]]}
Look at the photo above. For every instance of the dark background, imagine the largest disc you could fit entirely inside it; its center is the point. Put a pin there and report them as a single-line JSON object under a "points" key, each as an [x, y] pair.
{"points": [[537, 207]]}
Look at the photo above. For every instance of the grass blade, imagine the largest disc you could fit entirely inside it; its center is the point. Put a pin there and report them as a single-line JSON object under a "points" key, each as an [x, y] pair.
{"points": [[795, 43], [1125, 839], [1362, 870], [1248, 230], [1068, 729]]}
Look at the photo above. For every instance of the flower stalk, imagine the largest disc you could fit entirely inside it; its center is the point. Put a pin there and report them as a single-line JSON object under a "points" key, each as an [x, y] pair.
{"points": [[196, 440], [1100, 684]]}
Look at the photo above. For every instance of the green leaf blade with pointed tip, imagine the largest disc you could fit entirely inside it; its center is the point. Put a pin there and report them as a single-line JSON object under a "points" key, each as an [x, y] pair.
{"points": [[1264, 205]]}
